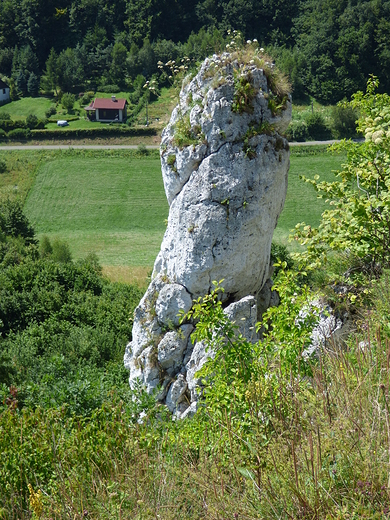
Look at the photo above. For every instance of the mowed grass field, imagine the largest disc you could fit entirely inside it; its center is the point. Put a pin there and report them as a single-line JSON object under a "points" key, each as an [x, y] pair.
{"points": [[23, 107], [302, 204], [112, 206], [115, 205]]}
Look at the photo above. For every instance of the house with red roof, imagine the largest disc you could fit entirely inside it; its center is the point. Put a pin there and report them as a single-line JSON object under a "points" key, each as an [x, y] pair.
{"points": [[107, 110], [4, 93]]}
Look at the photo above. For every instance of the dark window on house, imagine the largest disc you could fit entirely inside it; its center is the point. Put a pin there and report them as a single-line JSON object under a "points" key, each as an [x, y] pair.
{"points": [[3, 90], [108, 114]]}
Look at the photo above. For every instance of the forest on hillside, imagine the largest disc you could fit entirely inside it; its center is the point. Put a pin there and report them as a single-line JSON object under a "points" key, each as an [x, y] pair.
{"points": [[327, 47]]}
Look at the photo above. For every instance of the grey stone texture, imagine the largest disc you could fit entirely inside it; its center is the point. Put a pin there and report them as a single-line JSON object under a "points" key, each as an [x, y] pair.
{"points": [[226, 188]]}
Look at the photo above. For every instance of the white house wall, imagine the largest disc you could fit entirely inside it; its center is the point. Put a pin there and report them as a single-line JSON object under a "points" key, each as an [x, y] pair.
{"points": [[4, 94]]}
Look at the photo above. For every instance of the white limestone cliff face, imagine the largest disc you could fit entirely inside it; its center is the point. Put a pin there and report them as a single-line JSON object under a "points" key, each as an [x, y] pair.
{"points": [[225, 177]]}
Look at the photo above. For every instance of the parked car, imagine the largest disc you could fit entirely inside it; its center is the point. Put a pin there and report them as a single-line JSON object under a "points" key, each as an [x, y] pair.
{"points": [[62, 122]]}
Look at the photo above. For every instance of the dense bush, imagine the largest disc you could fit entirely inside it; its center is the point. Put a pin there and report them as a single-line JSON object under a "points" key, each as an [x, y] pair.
{"points": [[109, 89], [3, 134], [297, 131], [344, 121], [33, 123], [19, 133], [97, 131], [51, 111], [67, 101], [9, 124], [63, 327], [13, 222], [84, 99], [317, 129]]}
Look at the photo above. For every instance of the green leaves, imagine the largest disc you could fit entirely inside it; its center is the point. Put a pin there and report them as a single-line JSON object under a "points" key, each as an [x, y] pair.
{"points": [[359, 217]]}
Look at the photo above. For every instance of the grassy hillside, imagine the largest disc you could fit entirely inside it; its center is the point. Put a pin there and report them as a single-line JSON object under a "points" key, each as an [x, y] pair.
{"points": [[116, 206], [113, 206], [113, 203], [23, 107]]}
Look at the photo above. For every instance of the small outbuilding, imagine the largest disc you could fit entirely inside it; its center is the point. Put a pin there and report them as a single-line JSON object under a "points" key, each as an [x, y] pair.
{"points": [[4, 93], [107, 110]]}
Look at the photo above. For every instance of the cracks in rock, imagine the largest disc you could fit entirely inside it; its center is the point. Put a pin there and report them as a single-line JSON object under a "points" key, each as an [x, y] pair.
{"points": [[210, 153], [207, 154], [184, 287], [209, 271]]}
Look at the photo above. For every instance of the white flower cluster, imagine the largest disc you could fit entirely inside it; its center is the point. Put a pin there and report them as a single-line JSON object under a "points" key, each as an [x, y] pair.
{"points": [[174, 68]]}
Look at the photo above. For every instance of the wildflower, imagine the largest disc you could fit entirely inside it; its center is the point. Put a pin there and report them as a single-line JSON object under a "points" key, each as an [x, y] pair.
{"points": [[249, 41], [35, 501], [254, 40], [261, 49]]}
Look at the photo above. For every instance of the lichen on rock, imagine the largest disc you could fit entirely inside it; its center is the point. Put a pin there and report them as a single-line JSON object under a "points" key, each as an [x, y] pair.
{"points": [[224, 164]]}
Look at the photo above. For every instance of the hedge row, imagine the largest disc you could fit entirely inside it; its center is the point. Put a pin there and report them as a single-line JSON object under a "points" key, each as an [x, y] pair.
{"points": [[9, 124], [16, 133], [69, 133], [68, 118]]}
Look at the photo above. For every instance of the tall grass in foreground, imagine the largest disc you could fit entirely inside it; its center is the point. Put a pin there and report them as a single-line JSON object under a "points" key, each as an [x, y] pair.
{"points": [[282, 446]]}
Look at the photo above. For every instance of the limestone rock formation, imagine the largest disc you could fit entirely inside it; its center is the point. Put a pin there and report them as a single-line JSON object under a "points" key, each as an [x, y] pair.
{"points": [[224, 164]]}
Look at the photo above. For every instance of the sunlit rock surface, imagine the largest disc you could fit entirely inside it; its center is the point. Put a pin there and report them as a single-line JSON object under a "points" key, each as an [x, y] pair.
{"points": [[226, 187]]}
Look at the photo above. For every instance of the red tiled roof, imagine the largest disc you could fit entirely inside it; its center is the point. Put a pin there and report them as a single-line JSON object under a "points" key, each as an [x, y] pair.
{"points": [[108, 104]]}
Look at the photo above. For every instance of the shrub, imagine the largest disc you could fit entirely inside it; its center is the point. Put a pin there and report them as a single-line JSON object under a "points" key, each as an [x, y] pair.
{"points": [[142, 150], [4, 116], [32, 121], [344, 121], [297, 131], [109, 89], [61, 252], [13, 222], [3, 134], [45, 247], [84, 99], [100, 131], [68, 101], [359, 214], [316, 127], [19, 133], [51, 111], [279, 253], [8, 124]]}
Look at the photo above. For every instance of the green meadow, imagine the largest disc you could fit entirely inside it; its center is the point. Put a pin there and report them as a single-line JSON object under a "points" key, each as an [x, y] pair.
{"points": [[302, 204], [23, 107], [113, 203]]}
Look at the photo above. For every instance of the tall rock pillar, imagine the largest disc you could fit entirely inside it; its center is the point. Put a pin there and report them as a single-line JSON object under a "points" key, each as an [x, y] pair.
{"points": [[224, 164]]}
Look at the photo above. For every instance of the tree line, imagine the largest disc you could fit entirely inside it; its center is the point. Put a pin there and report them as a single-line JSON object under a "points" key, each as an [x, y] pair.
{"points": [[328, 48]]}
